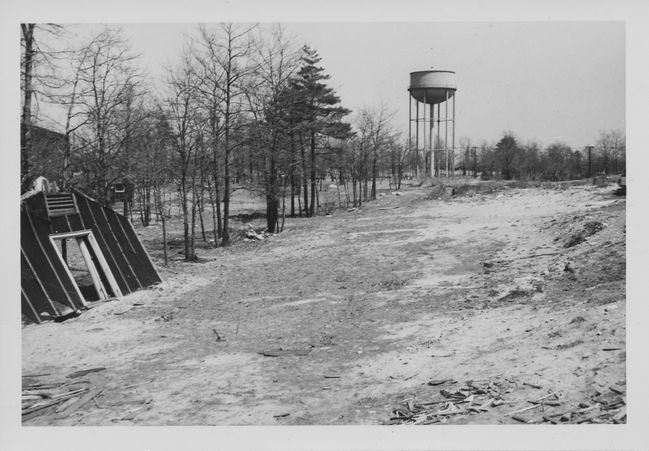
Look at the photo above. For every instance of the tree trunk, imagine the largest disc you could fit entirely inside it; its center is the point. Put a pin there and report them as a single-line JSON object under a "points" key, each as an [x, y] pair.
{"points": [[373, 194], [26, 119], [226, 174], [304, 180], [210, 193], [272, 192], [313, 176], [186, 225]]}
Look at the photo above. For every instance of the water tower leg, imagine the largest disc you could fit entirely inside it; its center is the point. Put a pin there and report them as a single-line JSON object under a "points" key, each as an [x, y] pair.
{"points": [[432, 147], [438, 126], [453, 139], [446, 131], [417, 170], [409, 124]]}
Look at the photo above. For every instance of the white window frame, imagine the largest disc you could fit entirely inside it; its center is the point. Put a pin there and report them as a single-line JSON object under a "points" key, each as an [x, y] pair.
{"points": [[89, 263]]}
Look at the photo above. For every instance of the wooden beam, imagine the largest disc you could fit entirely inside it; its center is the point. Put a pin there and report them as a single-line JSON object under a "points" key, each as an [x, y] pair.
{"points": [[31, 307], [67, 271], [104, 265], [144, 249], [101, 235], [47, 258], [119, 245], [40, 283], [96, 280]]}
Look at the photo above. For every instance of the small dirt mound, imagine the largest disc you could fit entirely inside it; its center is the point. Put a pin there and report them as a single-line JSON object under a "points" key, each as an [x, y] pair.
{"points": [[589, 228]]}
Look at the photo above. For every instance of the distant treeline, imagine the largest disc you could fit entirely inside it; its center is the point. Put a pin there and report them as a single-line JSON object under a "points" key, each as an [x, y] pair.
{"points": [[509, 159]]}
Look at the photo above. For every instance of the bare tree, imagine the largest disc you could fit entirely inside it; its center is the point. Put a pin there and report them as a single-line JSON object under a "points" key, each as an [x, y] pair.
{"points": [[611, 145], [377, 134], [109, 84], [210, 97], [271, 104], [230, 47], [182, 118], [38, 76]]}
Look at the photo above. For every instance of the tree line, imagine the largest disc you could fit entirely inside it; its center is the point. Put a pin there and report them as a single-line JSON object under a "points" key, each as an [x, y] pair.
{"points": [[509, 159], [244, 108]]}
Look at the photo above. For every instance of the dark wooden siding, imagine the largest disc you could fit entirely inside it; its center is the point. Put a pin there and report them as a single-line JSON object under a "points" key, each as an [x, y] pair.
{"points": [[41, 259], [128, 259], [145, 269], [44, 280], [92, 220]]}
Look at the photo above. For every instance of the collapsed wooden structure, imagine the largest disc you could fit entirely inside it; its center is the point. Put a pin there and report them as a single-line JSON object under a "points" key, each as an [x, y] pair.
{"points": [[108, 248]]}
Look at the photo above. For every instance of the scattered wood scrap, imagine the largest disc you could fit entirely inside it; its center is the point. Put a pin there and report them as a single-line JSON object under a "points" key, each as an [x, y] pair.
{"points": [[84, 372], [284, 352], [60, 398], [471, 399], [476, 398]]}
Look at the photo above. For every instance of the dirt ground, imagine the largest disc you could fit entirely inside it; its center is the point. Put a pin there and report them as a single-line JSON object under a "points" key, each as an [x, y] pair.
{"points": [[388, 314]]}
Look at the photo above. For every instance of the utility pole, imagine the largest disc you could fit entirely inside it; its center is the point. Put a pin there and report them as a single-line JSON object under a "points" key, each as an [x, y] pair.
{"points": [[475, 161], [589, 149]]}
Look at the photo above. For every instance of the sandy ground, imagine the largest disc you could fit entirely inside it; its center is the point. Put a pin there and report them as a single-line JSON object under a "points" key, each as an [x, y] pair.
{"points": [[359, 311]]}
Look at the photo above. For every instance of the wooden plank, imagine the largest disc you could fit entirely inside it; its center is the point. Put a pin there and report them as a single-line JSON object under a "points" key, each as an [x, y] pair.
{"points": [[33, 315], [69, 273], [89, 223], [101, 260], [59, 224], [39, 283], [119, 245], [92, 394], [134, 252], [51, 264], [116, 216], [75, 223], [101, 290], [118, 255], [152, 272]]}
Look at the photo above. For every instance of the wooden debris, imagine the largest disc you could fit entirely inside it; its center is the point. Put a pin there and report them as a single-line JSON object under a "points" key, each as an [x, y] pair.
{"points": [[73, 392], [546, 403], [129, 402], [617, 389], [547, 396], [81, 402], [620, 416], [39, 408], [281, 415], [529, 384], [517, 418], [439, 381], [84, 372], [60, 408], [524, 409], [285, 352]]}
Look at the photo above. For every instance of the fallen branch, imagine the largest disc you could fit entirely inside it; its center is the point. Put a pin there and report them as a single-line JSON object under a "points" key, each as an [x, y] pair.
{"points": [[525, 409]]}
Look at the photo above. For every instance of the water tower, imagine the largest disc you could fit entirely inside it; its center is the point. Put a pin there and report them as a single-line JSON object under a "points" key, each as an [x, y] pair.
{"points": [[432, 88]]}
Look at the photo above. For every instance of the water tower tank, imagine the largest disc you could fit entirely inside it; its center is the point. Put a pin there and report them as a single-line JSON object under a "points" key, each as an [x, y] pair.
{"points": [[432, 86]]}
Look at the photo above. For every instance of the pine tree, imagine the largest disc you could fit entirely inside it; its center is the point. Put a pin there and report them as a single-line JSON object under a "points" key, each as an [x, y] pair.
{"points": [[319, 114]]}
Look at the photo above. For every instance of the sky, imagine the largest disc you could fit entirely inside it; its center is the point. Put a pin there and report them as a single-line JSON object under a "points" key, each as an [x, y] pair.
{"points": [[545, 81]]}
